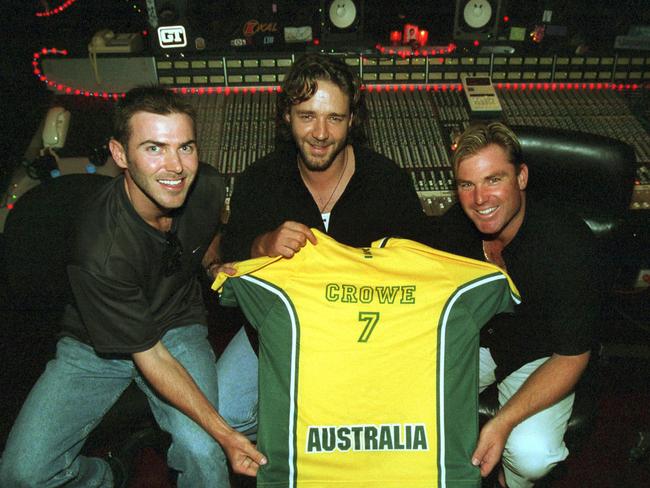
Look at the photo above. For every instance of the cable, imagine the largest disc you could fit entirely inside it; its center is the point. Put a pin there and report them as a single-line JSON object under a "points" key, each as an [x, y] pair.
{"points": [[92, 57]]}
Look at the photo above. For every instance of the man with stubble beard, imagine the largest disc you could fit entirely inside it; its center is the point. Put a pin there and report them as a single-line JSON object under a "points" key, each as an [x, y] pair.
{"points": [[320, 176]]}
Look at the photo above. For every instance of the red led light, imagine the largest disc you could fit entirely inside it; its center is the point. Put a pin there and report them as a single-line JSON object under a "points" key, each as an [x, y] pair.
{"points": [[57, 10], [506, 19], [476, 43], [423, 37], [51, 83], [37, 56], [10, 206]]}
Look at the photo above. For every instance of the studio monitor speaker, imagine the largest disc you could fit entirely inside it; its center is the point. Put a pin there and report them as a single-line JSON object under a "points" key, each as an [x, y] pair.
{"points": [[477, 19], [341, 20]]}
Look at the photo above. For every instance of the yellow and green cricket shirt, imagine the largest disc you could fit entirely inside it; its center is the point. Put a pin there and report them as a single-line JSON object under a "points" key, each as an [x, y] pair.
{"points": [[368, 362]]}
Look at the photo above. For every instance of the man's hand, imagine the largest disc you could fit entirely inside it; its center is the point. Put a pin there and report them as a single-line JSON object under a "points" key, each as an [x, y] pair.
{"points": [[214, 268], [547, 385], [491, 443], [284, 241], [172, 381], [243, 456]]}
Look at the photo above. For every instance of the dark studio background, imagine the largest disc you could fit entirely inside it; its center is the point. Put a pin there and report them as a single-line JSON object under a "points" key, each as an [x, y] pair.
{"points": [[590, 24], [616, 452]]}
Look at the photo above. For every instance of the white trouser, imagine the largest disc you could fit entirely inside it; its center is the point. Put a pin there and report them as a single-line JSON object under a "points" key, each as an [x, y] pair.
{"points": [[537, 444]]}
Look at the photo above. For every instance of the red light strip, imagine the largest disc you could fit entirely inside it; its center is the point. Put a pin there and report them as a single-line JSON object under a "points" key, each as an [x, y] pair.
{"points": [[55, 10], [68, 90], [553, 86], [407, 52], [226, 90], [546, 86], [505, 86], [413, 87]]}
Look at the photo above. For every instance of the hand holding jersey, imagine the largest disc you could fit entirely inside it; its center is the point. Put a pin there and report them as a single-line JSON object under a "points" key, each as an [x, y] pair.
{"points": [[284, 241], [537, 355], [332, 317]]}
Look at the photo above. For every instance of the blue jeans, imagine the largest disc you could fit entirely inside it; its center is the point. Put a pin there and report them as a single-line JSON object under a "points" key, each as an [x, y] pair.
{"points": [[75, 392], [237, 373]]}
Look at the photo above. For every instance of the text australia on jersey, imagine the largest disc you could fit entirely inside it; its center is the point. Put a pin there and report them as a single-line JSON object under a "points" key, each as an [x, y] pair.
{"points": [[382, 437]]}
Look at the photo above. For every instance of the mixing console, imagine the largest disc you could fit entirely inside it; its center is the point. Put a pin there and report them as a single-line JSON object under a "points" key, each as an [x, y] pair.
{"points": [[416, 128]]}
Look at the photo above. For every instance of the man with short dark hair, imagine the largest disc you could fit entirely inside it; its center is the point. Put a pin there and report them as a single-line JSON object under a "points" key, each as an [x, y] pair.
{"points": [[321, 176], [537, 354], [137, 313]]}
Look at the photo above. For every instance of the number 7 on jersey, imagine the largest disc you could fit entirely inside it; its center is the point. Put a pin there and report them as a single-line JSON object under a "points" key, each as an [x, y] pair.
{"points": [[370, 319]]}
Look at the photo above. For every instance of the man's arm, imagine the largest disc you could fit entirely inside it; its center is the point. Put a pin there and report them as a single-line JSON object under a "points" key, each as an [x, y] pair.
{"points": [[173, 382], [211, 260], [551, 382]]}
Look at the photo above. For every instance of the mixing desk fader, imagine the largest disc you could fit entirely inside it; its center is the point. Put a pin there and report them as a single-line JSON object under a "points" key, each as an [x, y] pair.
{"points": [[416, 128]]}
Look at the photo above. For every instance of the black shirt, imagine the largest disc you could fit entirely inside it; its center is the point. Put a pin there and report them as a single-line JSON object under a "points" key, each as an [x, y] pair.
{"points": [[553, 261], [379, 201], [126, 297]]}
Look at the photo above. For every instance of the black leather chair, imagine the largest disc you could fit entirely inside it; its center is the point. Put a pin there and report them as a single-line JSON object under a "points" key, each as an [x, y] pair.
{"points": [[36, 245], [595, 176]]}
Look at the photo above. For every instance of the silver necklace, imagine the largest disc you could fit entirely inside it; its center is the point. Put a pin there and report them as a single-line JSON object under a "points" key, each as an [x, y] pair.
{"points": [[345, 165]]}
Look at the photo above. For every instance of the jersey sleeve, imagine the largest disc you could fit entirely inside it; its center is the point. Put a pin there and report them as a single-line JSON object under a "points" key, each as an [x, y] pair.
{"points": [[487, 296]]}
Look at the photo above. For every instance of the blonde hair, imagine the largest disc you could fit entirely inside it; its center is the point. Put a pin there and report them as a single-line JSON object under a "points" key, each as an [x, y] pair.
{"points": [[478, 136]]}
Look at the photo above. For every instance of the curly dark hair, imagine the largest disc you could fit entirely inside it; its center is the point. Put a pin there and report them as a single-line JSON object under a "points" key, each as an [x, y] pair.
{"points": [[151, 99], [301, 83]]}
